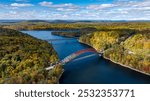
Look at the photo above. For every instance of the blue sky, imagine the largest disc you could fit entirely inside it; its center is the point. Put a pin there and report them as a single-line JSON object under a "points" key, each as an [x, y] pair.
{"points": [[75, 9]]}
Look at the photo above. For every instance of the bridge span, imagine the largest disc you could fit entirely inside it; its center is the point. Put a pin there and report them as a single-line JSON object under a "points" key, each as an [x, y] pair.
{"points": [[60, 39], [73, 56]]}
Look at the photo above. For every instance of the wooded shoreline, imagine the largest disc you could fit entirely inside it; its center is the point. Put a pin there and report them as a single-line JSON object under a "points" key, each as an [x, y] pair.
{"points": [[117, 62]]}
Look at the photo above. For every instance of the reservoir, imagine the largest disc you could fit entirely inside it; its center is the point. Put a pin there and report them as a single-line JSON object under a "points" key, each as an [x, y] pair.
{"points": [[91, 70]]}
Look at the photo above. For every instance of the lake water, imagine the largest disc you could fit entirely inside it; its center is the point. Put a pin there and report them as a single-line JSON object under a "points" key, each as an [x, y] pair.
{"points": [[92, 70]]}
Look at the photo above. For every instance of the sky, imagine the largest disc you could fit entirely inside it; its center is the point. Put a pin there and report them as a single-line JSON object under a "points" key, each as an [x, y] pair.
{"points": [[75, 9]]}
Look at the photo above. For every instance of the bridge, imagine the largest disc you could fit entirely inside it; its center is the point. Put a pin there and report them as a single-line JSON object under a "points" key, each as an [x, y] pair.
{"points": [[73, 56], [60, 39]]}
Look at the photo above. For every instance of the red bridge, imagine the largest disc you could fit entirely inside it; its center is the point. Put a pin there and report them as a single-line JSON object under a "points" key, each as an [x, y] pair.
{"points": [[76, 54], [73, 56]]}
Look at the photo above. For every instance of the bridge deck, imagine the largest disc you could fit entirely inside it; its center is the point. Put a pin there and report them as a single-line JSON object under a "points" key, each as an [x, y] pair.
{"points": [[60, 39], [73, 56]]}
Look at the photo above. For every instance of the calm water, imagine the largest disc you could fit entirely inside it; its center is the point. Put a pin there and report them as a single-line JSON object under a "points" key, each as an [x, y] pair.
{"points": [[93, 70]]}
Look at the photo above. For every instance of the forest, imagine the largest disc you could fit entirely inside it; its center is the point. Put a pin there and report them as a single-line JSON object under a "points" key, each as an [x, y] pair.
{"points": [[127, 43], [23, 59], [67, 33], [127, 47], [84, 26]]}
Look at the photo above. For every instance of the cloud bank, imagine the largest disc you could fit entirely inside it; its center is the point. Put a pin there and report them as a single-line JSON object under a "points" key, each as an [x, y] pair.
{"points": [[117, 10], [20, 5]]}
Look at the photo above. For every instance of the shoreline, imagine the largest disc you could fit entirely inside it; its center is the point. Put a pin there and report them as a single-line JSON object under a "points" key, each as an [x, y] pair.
{"points": [[127, 66], [86, 44], [118, 62], [65, 35], [60, 76]]}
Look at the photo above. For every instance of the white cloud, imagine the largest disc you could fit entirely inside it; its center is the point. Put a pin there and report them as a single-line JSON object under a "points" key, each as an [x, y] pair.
{"points": [[45, 3], [19, 15], [122, 9], [100, 7], [65, 10], [21, 5], [60, 7], [51, 5], [118, 10], [67, 5]]}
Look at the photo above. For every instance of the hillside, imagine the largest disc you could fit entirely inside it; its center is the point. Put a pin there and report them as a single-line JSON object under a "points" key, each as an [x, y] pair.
{"points": [[124, 47], [23, 59]]}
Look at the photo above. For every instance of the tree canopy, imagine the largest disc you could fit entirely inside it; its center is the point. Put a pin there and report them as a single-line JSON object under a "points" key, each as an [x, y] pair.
{"points": [[23, 59]]}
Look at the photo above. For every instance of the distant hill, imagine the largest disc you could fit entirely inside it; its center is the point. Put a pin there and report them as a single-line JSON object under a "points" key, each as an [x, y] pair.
{"points": [[11, 21], [69, 21]]}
